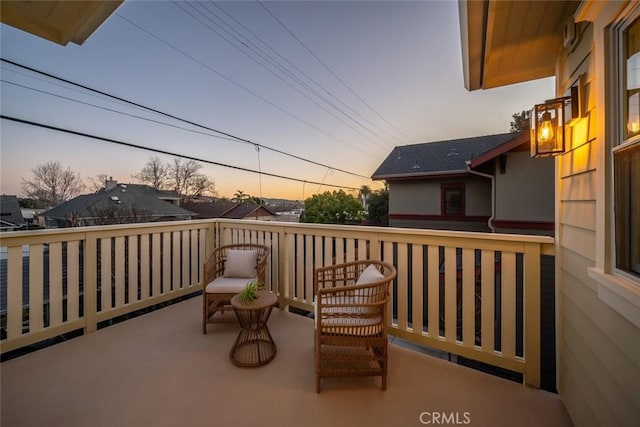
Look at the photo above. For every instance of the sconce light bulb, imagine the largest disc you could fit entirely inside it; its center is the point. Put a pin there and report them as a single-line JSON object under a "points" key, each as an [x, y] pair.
{"points": [[545, 132]]}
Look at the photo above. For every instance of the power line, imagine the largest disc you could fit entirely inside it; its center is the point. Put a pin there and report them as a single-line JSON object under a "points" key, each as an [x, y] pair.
{"points": [[296, 68], [274, 63], [156, 150], [34, 70], [238, 84], [330, 70], [116, 111]]}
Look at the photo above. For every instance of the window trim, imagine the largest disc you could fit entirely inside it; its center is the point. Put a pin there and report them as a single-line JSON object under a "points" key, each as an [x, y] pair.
{"points": [[443, 202], [618, 289]]}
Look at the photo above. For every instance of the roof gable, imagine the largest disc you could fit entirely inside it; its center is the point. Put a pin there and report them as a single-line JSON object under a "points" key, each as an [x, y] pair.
{"points": [[231, 210], [438, 158]]}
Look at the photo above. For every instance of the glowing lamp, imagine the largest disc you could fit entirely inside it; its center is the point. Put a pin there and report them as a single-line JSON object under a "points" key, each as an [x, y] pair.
{"points": [[547, 128]]}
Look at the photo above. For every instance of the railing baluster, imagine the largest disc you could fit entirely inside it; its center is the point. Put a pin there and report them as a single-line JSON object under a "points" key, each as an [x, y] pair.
{"points": [[417, 284], [132, 244], [468, 298], [433, 292], [105, 274], [175, 261], [119, 271], [508, 339], [488, 301], [36, 283], [450, 290], [55, 284], [402, 285], [14, 292]]}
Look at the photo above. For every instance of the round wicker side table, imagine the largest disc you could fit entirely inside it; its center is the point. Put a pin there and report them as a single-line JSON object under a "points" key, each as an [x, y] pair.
{"points": [[254, 345]]}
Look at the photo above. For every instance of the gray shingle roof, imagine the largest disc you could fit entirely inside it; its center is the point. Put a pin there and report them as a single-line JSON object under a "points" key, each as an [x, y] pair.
{"points": [[129, 197], [222, 209], [10, 212], [435, 158]]}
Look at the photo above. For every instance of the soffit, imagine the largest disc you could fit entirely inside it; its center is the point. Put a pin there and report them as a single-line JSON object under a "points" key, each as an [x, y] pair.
{"points": [[58, 21], [507, 42]]}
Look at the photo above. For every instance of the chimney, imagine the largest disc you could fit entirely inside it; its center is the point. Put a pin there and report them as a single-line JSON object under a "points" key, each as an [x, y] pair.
{"points": [[110, 184]]}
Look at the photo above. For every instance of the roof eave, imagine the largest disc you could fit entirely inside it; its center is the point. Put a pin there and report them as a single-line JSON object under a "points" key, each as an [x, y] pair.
{"points": [[59, 21], [490, 56], [418, 175], [517, 141]]}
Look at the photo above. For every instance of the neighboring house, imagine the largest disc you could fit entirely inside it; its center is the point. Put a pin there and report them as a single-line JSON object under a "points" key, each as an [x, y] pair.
{"points": [[116, 204], [595, 47], [231, 210], [10, 214], [486, 183]]}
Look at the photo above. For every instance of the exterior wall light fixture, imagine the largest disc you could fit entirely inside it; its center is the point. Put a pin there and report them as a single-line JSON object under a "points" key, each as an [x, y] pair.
{"points": [[548, 122]]}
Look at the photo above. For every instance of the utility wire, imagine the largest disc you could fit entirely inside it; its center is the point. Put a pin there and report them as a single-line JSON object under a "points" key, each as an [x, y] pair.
{"points": [[156, 150], [239, 85], [176, 117], [116, 111], [331, 71], [274, 63], [294, 66]]}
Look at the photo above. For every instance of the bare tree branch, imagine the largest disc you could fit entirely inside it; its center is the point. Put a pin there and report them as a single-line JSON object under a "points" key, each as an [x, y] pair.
{"points": [[52, 184]]}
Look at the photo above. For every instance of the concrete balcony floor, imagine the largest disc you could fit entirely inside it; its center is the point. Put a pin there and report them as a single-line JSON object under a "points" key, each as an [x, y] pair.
{"points": [[160, 370]]}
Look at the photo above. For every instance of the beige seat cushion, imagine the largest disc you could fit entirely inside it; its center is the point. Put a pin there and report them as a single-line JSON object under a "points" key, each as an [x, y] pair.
{"points": [[228, 285]]}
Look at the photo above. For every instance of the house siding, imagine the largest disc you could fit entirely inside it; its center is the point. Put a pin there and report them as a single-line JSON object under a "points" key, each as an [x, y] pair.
{"points": [[422, 198], [598, 349], [518, 197]]}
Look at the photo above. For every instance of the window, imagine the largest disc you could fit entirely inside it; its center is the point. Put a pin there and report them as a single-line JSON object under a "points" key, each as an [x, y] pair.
{"points": [[626, 157], [452, 196]]}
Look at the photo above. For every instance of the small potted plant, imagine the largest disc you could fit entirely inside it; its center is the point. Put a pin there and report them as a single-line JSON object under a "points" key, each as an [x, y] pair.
{"points": [[250, 292]]}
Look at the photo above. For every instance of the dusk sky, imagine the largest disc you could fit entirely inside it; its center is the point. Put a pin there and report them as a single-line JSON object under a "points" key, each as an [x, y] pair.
{"points": [[392, 69]]}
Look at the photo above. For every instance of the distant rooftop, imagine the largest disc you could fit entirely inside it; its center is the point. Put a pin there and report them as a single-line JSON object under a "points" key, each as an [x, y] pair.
{"points": [[439, 157]]}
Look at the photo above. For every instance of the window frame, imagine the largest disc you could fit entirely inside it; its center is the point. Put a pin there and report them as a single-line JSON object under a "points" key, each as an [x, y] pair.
{"points": [[620, 140], [444, 187], [617, 288]]}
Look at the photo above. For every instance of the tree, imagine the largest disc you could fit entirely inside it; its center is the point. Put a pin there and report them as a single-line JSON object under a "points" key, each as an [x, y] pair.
{"points": [[154, 173], [185, 179], [378, 210], [98, 182], [520, 122], [52, 184], [241, 197], [335, 207], [364, 193]]}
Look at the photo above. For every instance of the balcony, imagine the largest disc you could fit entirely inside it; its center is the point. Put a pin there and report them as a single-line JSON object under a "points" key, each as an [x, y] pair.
{"points": [[470, 294]]}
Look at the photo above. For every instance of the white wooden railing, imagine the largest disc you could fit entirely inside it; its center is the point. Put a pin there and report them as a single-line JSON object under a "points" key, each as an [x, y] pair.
{"points": [[472, 294]]}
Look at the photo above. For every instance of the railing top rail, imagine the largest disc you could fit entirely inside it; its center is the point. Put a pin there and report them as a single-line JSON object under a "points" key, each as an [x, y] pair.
{"points": [[543, 240], [52, 232], [381, 233]]}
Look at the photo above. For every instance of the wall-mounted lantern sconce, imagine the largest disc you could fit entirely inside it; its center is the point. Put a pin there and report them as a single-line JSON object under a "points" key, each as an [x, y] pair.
{"points": [[548, 124]]}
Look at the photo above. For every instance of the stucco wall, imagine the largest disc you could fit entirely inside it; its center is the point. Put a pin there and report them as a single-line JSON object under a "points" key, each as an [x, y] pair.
{"points": [[526, 191], [598, 348]]}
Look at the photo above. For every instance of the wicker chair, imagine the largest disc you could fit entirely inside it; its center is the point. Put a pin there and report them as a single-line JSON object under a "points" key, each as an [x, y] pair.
{"points": [[350, 319], [220, 287]]}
